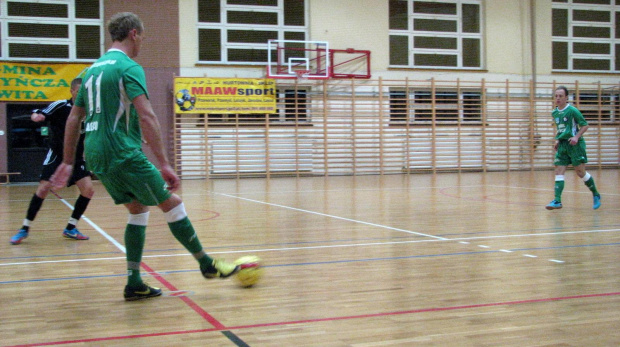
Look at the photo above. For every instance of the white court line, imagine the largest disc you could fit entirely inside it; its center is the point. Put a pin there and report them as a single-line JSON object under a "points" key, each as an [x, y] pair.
{"points": [[434, 238], [99, 230], [539, 234], [366, 223], [283, 249], [62, 261], [332, 216]]}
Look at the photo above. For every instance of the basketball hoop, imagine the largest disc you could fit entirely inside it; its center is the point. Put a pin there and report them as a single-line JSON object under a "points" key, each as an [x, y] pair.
{"points": [[302, 75]]}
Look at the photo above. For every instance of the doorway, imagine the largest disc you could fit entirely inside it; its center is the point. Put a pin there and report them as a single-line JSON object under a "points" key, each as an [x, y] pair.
{"points": [[27, 142]]}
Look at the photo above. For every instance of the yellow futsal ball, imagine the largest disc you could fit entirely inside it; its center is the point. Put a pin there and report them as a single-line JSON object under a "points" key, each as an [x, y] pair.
{"points": [[251, 270]]}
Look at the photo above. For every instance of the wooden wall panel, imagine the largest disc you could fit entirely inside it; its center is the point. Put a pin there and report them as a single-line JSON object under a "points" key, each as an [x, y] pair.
{"points": [[351, 130]]}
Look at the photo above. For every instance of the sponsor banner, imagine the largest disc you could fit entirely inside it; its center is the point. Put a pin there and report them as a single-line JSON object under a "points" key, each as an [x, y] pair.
{"points": [[37, 82], [224, 95]]}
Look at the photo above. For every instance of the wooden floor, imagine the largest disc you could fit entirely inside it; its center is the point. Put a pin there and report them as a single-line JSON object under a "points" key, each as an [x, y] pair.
{"points": [[471, 259]]}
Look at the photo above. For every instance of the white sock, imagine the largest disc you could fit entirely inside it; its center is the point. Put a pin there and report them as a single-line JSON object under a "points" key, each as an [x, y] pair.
{"points": [[176, 214], [141, 219], [587, 177]]}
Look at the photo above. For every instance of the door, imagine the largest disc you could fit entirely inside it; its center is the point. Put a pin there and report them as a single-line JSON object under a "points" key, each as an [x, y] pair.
{"points": [[27, 142]]}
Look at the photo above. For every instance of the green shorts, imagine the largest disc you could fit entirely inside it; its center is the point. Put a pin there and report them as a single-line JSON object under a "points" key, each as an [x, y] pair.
{"points": [[136, 179], [568, 154]]}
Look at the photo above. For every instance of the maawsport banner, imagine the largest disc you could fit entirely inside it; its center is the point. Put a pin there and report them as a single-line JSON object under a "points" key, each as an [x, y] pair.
{"points": [[37, 82], [224, 95]]}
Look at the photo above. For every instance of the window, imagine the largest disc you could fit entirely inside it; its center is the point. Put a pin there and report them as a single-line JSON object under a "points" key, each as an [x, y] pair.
{"points": [[237, 31], [51, 30], [292, 108], [450, 107], [591, 104], [436, 34], [586, 35]]}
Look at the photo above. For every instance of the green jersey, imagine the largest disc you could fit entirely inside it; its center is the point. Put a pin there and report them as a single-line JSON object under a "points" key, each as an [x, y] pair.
{"points": [[112, 126], [568, 121]]}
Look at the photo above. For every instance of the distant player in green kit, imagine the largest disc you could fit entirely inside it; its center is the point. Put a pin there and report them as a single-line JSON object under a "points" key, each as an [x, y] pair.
{"points": [[114, 104], [570, 147]]}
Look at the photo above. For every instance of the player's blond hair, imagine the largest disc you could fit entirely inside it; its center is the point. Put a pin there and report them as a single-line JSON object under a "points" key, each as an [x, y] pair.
{"points": [[122, 23]]}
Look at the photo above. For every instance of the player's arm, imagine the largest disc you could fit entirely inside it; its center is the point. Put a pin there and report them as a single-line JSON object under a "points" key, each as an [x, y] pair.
{"points": [[72, 135], [583, 127], [556, 142], [573, 140], [151, 131]]}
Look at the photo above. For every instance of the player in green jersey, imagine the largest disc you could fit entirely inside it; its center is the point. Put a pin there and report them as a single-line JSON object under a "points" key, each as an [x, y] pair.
{"points": [[117, 113], [570, 147]]}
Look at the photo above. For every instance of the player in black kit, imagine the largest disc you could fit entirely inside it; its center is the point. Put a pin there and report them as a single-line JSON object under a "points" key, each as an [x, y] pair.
{"points": [[56, 115]]}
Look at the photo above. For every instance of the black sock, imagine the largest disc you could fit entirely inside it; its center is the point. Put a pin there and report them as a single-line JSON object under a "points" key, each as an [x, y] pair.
{"points": [[35, 206], [78, 210], [80, 206]]}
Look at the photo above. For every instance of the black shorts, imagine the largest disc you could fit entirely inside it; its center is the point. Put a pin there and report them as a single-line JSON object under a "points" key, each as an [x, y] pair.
{"points": [[53, 161]]}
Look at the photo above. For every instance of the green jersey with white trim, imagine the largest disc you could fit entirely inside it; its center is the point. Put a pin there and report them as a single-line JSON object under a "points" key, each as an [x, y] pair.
{"points": [[112, 125], [568, 121]]}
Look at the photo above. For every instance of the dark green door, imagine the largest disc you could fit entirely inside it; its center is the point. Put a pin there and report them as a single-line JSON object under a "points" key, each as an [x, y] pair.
{"points": [[27, 142]]}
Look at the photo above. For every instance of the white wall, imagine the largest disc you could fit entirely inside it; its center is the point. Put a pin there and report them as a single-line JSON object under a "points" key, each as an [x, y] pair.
{"points": [[542, 14], [358, 24], [364, 24], [188, 33], [507, 37]]}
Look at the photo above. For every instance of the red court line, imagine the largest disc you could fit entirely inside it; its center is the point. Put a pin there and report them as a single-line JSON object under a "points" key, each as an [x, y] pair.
{"points": [[204, 314], [328, 319]]}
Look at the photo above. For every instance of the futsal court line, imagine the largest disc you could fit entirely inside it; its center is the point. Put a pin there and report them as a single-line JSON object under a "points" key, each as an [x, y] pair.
{"points": [[419, 256], [92, 224], [189, 302], [333, 216], [444, 191], [278, 244], [227, 330], [263, 250], [353, 220], [434, 238]]}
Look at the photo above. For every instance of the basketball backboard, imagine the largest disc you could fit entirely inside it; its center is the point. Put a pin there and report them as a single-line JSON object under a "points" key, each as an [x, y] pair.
{"points": [[295, 58], [314, 60]]}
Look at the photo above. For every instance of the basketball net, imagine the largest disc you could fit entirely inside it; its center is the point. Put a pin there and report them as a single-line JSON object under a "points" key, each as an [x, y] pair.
{"points": [[302, 76]]}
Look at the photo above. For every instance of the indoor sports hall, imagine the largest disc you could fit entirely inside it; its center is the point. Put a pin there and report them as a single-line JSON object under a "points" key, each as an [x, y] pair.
{"points": [[389, 161]]}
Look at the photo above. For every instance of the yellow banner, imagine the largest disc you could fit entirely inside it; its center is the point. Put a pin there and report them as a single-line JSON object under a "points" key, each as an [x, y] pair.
{"points": [[224, 95], [37, 82]]}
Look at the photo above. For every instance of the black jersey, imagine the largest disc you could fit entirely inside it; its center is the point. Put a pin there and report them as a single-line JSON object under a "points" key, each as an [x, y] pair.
{"points": [[56, 115]]}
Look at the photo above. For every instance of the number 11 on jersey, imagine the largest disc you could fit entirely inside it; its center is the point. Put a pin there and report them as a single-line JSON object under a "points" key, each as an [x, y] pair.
{"points": [[97, 98]]}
